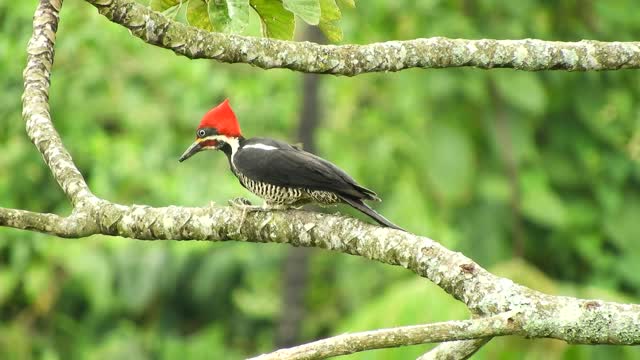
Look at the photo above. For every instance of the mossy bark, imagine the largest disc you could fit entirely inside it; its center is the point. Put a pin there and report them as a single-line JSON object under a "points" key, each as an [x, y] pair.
{"points": [[350, 60]]}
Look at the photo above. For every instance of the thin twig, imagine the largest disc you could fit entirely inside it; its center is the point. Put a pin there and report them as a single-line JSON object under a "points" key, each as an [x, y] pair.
{"points": [[455, 350], [503, 324]]}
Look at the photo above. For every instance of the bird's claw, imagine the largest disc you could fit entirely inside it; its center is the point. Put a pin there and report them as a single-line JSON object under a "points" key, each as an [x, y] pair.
{"points": [[243, 204], [240, 202], [246, 206]]}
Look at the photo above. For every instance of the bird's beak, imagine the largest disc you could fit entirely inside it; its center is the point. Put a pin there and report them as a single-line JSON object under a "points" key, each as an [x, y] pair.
{"points": [[192, 150]]}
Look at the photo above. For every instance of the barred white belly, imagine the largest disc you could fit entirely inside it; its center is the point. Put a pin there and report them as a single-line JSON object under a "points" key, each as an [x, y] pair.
{"points": [[279, 195]]}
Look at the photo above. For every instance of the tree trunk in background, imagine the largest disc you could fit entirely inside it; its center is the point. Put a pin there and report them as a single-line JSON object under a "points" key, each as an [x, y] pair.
{"points": [[506, 151], [296, 264]]}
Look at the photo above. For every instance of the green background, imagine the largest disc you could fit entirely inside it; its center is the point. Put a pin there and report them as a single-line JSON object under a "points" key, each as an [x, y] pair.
{"points": [[533, 175]]}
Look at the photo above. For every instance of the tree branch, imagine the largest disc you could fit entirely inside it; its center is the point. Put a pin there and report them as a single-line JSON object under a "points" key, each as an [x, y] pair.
{"points": [[503, 324], [47, 223], [564, 318], [35, 103], [455, 350], [350, 60]]}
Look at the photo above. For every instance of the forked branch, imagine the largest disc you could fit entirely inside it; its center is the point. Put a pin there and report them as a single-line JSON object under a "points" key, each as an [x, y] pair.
{"points": [[504, 324]]}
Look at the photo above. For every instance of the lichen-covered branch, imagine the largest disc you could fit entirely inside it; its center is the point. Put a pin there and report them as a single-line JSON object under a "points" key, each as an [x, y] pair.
{"points": [[73, 226], [455, 350], [350, 60], [536, 314], [35, 103], [503, 324], [564, 318]]}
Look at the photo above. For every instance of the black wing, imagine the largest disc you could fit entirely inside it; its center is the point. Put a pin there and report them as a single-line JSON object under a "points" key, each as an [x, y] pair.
{"points": [[290, 167]]}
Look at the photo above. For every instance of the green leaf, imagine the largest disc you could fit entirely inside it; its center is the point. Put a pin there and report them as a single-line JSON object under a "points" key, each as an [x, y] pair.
{"points": [[198, 14], [219, 16], [277, 22], [229, 16], [239, 14], [308, 10], [175, 13], [162, 5], [349, 3], [330, 14]]}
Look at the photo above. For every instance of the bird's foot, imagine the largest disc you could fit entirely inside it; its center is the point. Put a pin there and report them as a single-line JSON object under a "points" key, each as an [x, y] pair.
{"points": [[243, 204], [246, 206]]}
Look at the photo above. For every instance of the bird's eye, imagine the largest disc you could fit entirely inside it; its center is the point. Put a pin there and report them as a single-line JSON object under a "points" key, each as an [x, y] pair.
{"points": [[201, 133]]}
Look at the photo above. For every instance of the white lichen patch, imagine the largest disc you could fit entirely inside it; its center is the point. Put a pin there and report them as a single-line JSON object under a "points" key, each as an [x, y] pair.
{"points": [[521, 55], [335, 242], [590, 60], [569, 313], [569, 56], [470, 47], [204, 222]]}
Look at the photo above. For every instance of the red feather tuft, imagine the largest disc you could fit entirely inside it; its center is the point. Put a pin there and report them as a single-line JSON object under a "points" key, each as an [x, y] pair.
{"points": [[222, 119]]}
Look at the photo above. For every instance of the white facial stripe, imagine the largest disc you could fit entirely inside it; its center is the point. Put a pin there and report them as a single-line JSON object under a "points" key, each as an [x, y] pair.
{"points": [[232, 141], [261, 147], [215, 137]]}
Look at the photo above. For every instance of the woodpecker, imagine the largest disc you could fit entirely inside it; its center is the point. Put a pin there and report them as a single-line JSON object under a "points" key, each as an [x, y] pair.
{"points": [[281, 174]]}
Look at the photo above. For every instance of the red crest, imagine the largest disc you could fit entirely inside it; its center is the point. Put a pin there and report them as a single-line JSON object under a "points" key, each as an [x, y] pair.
{"points": [[222, 119]]}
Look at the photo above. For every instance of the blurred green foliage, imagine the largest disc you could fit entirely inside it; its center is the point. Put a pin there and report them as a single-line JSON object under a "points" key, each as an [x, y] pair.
{"points": [[497, 164]]}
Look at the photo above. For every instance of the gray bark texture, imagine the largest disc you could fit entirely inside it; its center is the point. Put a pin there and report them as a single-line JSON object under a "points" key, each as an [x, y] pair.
{"points": [[503, 324], [455, 350], [500, 307], [350, 60]]}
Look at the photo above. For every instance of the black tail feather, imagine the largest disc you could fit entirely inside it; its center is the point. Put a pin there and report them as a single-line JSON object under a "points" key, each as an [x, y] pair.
{"points": [[364, 208]]}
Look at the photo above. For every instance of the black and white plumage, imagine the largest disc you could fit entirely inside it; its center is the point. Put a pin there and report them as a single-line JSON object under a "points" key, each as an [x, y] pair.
{"points": [[277, 172], [292, 176], [285, 175]]}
